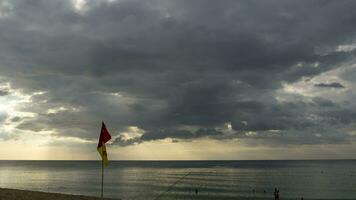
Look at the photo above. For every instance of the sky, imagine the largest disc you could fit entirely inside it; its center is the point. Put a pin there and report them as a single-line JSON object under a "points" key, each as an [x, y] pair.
{"points": [[178, 80]]}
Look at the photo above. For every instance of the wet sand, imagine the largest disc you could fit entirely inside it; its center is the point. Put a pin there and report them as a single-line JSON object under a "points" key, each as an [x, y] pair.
{"points": [[12, 194]]}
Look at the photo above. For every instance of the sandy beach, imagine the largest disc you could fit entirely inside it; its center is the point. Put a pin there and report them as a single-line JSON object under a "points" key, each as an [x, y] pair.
{"points": [[12, 194]]}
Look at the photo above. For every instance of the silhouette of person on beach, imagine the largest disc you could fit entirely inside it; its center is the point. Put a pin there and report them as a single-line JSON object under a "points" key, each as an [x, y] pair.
{"points": [[196, 191], [276, 194]]}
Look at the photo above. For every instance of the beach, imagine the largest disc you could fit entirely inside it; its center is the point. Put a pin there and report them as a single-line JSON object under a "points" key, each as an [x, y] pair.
{"points": [[12, 194]]}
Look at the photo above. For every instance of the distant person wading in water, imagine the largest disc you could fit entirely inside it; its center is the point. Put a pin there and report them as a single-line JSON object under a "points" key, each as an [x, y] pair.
{"points": [[276, 194]]}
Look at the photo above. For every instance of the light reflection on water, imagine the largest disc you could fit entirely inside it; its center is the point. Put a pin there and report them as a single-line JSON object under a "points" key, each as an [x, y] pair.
{"points": [[213, 179]]}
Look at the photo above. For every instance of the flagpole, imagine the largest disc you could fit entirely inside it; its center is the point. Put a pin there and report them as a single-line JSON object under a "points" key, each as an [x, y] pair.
{"points": [[102, 178], [103, 138]]}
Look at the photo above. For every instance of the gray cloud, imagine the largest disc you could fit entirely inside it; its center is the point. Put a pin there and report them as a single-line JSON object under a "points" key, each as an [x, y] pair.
{"points": [[4, 92], [173, 64], [329, 85], [15, 119], [174, 134]]}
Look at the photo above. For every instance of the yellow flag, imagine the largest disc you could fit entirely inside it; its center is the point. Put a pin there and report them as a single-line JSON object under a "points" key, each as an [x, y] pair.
{"points": [[103, 154]]}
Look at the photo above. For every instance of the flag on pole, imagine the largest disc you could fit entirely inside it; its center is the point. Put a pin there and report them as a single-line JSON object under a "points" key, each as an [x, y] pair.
{"points": [[104, 137]]}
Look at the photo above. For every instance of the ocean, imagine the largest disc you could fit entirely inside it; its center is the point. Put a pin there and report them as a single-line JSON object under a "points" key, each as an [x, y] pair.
{"points": [[149, 180]]}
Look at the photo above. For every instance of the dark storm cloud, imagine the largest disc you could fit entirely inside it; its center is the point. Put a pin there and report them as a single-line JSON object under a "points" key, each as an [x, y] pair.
{"points": [[329, 85], [164, 65]]}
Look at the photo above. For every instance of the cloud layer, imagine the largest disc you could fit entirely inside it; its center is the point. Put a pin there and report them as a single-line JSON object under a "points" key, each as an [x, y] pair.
{"points": [[249, 70]]}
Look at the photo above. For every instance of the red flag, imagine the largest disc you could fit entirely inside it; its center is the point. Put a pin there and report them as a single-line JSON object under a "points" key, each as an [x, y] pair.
{"points": [[104, 137]]}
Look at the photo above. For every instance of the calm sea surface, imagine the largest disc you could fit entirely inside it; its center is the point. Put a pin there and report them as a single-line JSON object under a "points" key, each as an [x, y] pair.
{"points": [[138, 180]]}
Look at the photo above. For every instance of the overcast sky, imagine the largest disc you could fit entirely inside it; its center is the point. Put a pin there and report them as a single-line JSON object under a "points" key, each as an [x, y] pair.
{"points": [[178, 79]]}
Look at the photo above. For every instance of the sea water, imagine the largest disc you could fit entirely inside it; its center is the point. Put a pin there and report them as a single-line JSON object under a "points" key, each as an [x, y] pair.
{"points": [[148, 180]]}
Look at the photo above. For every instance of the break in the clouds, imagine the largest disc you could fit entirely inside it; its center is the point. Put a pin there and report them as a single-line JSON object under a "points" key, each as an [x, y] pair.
{"points": [[246, 70]]}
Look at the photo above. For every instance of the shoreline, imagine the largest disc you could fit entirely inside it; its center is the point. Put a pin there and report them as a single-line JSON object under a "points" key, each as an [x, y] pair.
{"points": [[17, 194]]}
